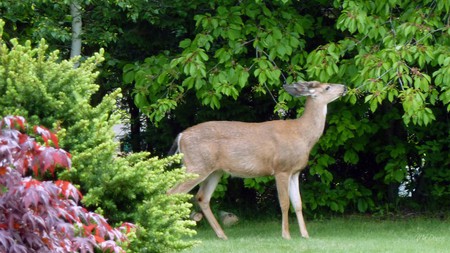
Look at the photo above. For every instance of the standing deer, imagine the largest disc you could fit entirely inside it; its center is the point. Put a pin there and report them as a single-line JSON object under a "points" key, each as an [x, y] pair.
{"points": [[278, 148]]}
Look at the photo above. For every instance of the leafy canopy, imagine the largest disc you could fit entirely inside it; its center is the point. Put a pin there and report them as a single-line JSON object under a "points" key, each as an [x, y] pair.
{"points": [[391, 129]]}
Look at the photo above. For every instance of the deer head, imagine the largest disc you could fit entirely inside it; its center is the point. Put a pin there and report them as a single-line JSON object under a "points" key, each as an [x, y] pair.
{"points": [[321, 92]]}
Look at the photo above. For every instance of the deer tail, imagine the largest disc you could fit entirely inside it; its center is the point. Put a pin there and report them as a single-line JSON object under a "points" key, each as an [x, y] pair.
{"points": [[175, 149]]}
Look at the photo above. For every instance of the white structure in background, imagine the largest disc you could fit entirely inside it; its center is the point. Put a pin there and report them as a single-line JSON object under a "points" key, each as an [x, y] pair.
{"points": [[403, 190], [120, 130]]}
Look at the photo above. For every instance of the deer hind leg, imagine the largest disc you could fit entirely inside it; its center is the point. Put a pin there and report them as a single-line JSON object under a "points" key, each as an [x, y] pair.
{"points": [[282, 181], [294, 194], [203, 197], [185, 187]]}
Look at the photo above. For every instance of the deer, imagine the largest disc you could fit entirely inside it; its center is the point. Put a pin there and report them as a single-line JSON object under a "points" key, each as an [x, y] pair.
{"points": [[278, 148]]}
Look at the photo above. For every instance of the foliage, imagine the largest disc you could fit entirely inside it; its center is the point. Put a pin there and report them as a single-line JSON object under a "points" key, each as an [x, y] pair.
{"points": [[37, 19], [127, 30], [43, 215], [189, 62], [216, 62], [51, 92], [397, 56], [407, 64], [391, 129], [135, 190], [44, 20]]}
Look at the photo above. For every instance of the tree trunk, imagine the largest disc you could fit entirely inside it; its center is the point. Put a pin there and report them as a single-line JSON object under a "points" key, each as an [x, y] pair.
{"points": [[135, 124], [75, 12]]}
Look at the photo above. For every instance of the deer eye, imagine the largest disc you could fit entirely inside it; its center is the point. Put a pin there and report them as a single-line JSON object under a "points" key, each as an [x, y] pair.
{"points": [[328, 87]]}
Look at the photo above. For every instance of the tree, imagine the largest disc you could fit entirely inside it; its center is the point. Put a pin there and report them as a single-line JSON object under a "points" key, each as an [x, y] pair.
{"points": [[398, 56], [390, 130], [125, 29], [76, 29], [44, 216]]}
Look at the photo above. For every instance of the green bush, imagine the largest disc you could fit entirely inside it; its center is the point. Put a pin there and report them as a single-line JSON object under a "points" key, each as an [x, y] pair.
{"points": [[49, 91], [135, 189]]}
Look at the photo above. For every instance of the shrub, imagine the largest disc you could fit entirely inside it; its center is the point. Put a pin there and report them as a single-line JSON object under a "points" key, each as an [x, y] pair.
{"points": [[135, 190], [51, 92], [38, 216]]}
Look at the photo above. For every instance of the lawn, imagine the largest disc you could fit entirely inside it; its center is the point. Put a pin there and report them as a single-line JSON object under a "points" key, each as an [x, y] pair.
{"points": [[349, 234]]}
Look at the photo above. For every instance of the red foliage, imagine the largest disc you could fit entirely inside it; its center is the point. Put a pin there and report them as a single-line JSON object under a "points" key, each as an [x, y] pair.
{"points": [[44, 216]]}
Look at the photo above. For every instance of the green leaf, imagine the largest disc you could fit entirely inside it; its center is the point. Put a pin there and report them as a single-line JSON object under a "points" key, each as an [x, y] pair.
{"points": [[262, 78], [362, 205], [215, 102], [350, 156], [128, 67], [281, 50], [128, 77], [243, 77], [188, 82], [199, 83], [141, 100], [266, 11], [334, 206], [234, 34], [277, 35], [399, 175], [185, 43], [373, 105], [203, 55], [162, 78]]}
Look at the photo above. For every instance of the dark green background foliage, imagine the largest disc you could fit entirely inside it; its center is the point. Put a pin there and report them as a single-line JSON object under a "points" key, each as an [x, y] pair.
{"points": [[179, 63]]}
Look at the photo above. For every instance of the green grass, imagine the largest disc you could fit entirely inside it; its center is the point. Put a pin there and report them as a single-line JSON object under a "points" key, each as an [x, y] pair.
{"points": [[351, 234]]}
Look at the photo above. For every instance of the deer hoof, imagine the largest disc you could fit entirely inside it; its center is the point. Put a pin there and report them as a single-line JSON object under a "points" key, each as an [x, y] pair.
{"points": [[196, 216], [223, 237], [287, 236]]}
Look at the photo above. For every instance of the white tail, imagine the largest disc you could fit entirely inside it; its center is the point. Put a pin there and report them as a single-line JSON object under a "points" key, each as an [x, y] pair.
{"points": [[279, 148]]}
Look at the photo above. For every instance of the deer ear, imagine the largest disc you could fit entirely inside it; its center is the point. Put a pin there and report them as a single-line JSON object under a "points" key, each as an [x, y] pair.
{"points": [[301, 89]]}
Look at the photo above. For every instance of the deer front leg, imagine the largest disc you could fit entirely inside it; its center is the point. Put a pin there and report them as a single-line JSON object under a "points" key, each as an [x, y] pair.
{"points": [[203, 197], [294, 194], [282, 181]]}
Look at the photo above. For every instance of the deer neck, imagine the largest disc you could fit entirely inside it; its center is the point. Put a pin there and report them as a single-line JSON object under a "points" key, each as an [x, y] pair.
{"points": [[312, 122]]}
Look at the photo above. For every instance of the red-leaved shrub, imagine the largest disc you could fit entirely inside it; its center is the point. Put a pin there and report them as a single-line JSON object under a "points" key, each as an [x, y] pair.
{"points": [[38, 216]]}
